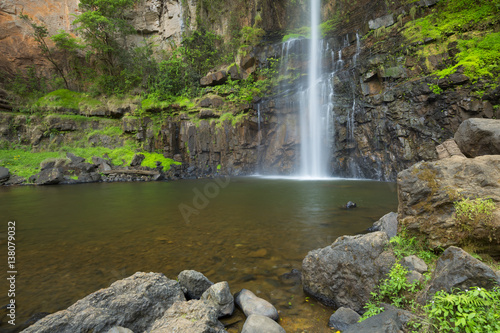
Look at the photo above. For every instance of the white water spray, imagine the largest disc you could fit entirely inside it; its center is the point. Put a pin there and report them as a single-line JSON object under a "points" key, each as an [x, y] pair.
{"points": [[313, 125]]}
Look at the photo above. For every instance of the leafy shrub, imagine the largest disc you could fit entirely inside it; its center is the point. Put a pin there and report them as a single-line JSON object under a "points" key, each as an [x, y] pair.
{"points": [[469, 213], [393, 290], [473, 311]]}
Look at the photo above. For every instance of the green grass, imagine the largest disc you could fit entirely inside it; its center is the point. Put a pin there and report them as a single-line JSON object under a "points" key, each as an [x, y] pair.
{"points": [[467, 23], [64, 98], [479, 56], [24, 163]]}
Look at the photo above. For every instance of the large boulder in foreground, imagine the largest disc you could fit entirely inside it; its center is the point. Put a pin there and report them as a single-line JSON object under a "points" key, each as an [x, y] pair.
{"points": [[134, 303], [344, 274], [478, 136], [456, 269], [427, 192]]}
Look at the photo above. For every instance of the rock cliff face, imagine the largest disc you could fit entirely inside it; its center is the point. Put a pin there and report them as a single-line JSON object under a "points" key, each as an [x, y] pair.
{"points": [[387, 111]]}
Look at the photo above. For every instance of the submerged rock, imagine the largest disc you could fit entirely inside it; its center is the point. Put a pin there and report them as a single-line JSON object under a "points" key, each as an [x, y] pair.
{"points": [[135, 303], [455, 268], [261, 324], [344, 274], [350, 205], [193, 283], [250, 304], [193, 316]]}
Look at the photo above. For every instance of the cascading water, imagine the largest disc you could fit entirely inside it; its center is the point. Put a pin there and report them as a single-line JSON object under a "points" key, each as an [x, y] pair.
{"points": [[314, 148]]}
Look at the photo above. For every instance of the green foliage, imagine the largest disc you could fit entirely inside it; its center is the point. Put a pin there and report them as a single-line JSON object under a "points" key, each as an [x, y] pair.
{"points": [[469, 213], [302, 32], [251, 35], [460, 21], [40, 34], [435, 89], [393, 290], [479, 56], [64, 98], [104, 26], [473, 311], [403, 245], [180, 73], [24, 163], [29, 85]]}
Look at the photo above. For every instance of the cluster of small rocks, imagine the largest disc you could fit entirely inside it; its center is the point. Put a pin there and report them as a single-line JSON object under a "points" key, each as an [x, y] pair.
{"points": [[152, 303]]}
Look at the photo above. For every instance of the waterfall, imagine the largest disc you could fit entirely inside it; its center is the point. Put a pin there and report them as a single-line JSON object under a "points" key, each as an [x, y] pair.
{"points": [[314, 148]]}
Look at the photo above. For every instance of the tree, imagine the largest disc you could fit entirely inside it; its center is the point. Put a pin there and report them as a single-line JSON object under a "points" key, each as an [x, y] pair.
{"points": [[104, 27], [41, 33]]}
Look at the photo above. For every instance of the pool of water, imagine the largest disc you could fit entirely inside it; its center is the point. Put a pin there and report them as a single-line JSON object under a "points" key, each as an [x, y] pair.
{"points": [[74, 240]]}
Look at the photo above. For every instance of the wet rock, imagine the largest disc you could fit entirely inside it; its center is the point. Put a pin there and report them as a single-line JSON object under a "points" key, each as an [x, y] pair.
{"points": [[427, 192], [414, 263], [250, 304], [387, 223], [294, 277], [119, 329], [389, 321], [343, 318], [14, 180], [384, 21], [448, 149], [135, 302], [137, 160], [192, 316], [261, 324], [477, 137], [456, 269], [350, 205], [91, 177], [4, 174], [193, 283], [260, 253], [51, 176], [219, 296], [351, 263]]}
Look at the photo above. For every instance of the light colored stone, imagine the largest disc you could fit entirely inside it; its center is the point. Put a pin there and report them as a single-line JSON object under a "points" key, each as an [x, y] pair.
{"points": [[219, 296], [261, 324], [384, 21], [250, 304]]}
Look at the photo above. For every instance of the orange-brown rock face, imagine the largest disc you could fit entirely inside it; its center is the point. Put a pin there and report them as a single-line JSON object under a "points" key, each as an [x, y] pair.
{"points": [[18, 49]]}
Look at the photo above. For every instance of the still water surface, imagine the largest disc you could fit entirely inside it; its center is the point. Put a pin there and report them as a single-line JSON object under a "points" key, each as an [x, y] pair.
{"points": [[74, 240]]}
